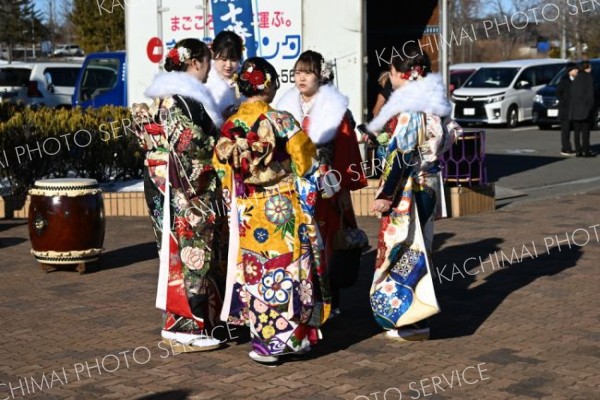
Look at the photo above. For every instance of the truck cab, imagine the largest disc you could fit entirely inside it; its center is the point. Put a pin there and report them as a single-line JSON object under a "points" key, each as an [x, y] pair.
{"points": [[101, 81]]}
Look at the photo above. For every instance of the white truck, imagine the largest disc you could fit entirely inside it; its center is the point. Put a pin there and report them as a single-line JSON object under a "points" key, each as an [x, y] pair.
{"points": [[282, 30]]}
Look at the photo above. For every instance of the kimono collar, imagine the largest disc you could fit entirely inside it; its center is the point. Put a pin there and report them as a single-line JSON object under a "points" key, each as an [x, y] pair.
{"points": [[426, 95], [173, 83], [326, 113]]}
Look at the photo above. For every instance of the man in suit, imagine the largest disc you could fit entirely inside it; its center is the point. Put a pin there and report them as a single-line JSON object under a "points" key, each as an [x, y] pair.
{"points": [[586, 75], [582, 104], [563, 93], [576, 98]]}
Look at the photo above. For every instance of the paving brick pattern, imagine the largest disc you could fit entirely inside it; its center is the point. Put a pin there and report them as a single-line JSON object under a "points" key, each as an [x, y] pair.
{"points": [[527, 330]]}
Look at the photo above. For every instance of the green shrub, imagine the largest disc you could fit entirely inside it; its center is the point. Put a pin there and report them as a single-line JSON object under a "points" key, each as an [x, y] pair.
{"points": [[54, 143]]}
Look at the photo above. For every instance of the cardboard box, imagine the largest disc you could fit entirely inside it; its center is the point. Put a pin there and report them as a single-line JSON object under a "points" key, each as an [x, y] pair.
{"points": [[464, 200]]}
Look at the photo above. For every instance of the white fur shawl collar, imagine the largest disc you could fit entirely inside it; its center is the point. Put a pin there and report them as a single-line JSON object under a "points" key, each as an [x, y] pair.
{"points": [[325, 116], [221, 91], [427, 95], [183, 84]]}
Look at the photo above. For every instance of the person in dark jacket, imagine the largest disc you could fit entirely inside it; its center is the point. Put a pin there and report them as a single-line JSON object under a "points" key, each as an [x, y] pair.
{"points": [[586, 73], [576, 98]]}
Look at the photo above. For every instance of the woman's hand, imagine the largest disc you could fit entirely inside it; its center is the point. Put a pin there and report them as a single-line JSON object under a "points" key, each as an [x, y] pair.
{"points": [[381, 205]]}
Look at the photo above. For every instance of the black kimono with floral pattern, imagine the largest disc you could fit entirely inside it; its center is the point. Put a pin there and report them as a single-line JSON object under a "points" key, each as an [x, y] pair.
{"points": [[178, 138]]}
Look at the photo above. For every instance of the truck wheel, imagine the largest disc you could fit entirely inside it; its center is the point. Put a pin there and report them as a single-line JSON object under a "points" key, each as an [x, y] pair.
{"points": [[544, 127], [512, 117]]}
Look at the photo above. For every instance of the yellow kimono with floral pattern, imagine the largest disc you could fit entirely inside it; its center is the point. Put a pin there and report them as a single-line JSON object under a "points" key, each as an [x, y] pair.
{"points": [[274, 271]]}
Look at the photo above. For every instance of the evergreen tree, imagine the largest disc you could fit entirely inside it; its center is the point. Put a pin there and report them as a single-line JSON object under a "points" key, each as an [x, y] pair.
{"points": [[99, 31], [20, 23]]}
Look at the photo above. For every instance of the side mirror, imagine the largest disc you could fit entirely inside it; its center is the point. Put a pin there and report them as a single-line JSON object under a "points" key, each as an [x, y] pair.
{"points": [[523, 85], [49, 85]]}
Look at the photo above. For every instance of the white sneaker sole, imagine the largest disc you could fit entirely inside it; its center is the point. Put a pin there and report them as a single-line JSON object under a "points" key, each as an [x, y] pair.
{"points": [[188, 340], [409, 335], [261, 359]]}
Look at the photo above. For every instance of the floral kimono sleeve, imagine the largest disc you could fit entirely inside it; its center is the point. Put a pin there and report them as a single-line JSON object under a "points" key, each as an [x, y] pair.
{"points": [[403, 130], [301, 149]]}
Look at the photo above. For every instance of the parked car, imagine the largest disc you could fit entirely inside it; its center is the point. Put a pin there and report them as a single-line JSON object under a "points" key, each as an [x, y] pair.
{"points": [[48, 84], [502, 93], [68, 50], [545, 103], [459, 73]]}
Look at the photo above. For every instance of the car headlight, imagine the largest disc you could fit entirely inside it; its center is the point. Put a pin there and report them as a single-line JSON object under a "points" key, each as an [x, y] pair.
{"points": [[538, 98], [495, 99]]}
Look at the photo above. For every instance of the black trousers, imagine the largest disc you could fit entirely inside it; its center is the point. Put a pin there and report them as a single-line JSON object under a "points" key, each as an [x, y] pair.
{"points": [[581, 131], [565, 136]]}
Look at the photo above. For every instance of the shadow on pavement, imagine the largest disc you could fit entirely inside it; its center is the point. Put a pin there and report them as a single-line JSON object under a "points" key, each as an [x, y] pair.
{"points": [[501, 165], [10, 241], [440, 239], [124, 257], [170, 395], [465, 309], [356, 322], [13, 224]]}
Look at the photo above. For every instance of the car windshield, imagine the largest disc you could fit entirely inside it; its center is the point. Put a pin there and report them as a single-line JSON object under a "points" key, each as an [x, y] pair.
{"points": [[492, 77], [557, 78], [14, 76], [100, 75], [459, 76]]}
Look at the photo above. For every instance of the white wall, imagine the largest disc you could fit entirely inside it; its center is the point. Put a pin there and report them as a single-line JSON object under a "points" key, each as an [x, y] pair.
{"points": [[334, 28]]}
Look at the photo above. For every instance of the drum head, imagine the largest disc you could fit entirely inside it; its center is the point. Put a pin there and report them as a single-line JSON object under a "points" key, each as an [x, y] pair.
{"points": [[65, 187], [66, 183]]}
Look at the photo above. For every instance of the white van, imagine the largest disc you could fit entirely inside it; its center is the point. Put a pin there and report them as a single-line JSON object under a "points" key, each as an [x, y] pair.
{"points": [[47, 84], [502, 93], [459, 73]]}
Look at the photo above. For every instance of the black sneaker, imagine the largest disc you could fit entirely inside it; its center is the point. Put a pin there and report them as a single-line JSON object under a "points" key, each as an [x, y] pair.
{"points": [[589, 154], [568, 153], [579, 154]]}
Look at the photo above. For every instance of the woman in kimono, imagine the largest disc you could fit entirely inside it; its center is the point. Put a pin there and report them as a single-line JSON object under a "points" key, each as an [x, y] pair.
{"points": [[324, 115], [274, 266], [178, 133], [402, 293], [227, 50]]}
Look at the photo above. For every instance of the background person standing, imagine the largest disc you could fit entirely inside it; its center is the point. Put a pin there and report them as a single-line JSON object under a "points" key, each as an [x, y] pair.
{"points": [[588, 82], [576, 98], [563, 93]]}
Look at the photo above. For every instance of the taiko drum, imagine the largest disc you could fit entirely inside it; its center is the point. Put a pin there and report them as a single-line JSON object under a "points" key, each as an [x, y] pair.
{"points": [[66, 221]]}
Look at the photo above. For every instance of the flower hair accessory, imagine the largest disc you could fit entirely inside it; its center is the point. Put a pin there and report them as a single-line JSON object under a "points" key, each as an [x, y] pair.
{"points": [[413, 74], [326, 71], [178, 55], [258, 79]]}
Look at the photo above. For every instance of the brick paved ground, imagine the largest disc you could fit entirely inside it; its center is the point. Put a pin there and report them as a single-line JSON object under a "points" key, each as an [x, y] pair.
{"points": [[532, 328]]}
